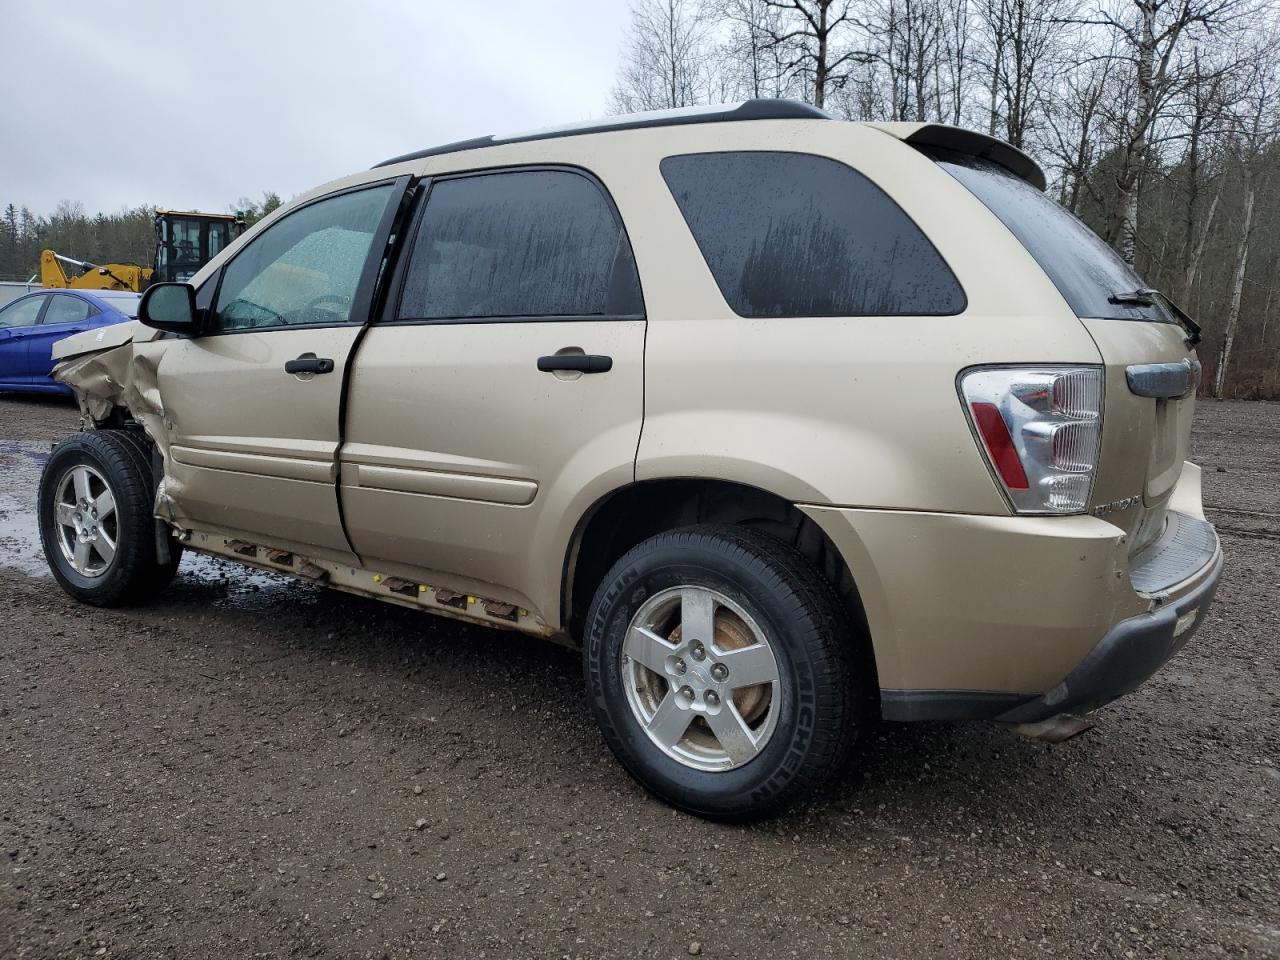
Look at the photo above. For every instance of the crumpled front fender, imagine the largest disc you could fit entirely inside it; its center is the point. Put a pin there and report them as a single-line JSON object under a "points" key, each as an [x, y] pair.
{"points": [[116, 367]]}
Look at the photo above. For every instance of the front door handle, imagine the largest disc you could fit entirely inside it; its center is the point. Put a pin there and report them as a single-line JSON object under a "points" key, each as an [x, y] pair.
{"points": [[309, 365], [577, 362]]}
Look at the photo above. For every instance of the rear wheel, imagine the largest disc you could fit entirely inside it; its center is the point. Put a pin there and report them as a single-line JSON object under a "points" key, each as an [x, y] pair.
{"points": [[96, 524], [722, 670]]}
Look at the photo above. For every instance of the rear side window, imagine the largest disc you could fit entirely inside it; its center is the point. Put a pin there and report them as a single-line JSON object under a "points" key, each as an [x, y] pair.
{"points": [[797, 235], [65, 309], [1085, 270], [530, 243]]}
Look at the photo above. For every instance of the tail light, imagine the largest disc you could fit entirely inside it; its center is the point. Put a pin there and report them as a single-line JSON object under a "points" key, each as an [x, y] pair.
{"points": [[1040, 429]]}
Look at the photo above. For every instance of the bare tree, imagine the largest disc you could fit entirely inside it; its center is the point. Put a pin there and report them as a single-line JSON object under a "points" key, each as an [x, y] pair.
{"points": [[747, 50], [1153, 34], [664, 59], [1074, 115], [907, 38], [1258, 126], [1024, 43], [1205, 105], [811, 33]]}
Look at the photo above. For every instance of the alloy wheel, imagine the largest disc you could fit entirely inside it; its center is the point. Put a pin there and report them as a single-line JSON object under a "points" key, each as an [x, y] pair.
{"points": [[86, 524], [701, 678]]}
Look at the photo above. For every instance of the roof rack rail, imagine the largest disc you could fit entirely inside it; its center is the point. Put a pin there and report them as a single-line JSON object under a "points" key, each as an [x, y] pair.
{"points": [[713, 113]]}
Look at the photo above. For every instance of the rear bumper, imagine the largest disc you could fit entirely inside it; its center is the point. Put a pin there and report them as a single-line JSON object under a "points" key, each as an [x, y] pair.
{"points": [[1019, 618], [1126, 657]]}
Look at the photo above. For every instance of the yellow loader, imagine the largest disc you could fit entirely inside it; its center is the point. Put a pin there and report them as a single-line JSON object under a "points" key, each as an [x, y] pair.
{"points": [[185, 242]]}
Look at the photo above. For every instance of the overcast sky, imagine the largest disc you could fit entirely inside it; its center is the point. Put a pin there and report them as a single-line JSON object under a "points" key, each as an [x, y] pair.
{"points": [[193, 105]]}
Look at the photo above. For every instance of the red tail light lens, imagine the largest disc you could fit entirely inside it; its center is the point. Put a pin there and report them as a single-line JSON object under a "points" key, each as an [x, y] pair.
{"points": [[999, 443]]}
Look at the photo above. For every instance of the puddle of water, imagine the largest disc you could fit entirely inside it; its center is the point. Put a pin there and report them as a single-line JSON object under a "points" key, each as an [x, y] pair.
{"points": [[20, 466], [236, 585], [232, 584]]}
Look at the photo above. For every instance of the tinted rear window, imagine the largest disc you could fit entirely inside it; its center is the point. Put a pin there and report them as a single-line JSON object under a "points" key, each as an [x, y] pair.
{"points": [[535, 243], [1085, 270], [796, 235]]}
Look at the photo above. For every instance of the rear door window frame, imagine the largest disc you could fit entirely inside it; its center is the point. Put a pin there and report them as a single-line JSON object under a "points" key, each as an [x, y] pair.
{"points": [[389, 315]]}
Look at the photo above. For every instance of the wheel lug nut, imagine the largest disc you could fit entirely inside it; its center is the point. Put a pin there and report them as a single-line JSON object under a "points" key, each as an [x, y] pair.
{"points": [[712, 698], [698, 652], [720, 672], [680, 666], [686, 692]]}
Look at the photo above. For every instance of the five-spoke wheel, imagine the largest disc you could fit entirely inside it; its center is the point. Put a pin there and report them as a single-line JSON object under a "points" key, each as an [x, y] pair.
{"points": [[700, 678], [85, 509], [721, 670]]}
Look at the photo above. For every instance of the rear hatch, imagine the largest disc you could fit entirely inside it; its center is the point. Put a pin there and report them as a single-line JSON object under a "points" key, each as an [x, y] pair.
{"points": [[1147, 345]]}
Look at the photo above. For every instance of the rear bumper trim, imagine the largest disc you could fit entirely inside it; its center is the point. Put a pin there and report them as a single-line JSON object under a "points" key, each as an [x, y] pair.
{"points": [[1127, 656]]}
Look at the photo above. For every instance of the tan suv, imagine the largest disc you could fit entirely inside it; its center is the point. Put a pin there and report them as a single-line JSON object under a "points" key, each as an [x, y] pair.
{"points": [[787, 422]]}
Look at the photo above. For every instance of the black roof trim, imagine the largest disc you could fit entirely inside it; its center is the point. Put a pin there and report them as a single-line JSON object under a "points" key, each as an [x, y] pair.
{"points": [[747, 110]]}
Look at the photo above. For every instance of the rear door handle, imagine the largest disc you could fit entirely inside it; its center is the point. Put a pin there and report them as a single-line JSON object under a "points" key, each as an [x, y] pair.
{"points": [[590, 363], [309, 365]]}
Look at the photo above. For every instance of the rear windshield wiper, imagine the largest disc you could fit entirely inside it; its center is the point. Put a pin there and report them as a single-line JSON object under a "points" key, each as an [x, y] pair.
{"points": [[1150, 297]]}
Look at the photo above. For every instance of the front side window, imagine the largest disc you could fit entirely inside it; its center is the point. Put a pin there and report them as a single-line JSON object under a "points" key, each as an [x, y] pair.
{"points": [[304, 268], [64, 309], [798, 235], [531, 243], [23, 313]]}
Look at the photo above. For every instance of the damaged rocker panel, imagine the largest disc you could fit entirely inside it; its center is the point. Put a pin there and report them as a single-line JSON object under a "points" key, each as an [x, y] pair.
{"points": [[391, 589]]}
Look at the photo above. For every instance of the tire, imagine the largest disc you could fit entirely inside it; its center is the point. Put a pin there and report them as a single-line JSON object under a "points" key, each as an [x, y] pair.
{"points": [[117, 562], [763, 592]]}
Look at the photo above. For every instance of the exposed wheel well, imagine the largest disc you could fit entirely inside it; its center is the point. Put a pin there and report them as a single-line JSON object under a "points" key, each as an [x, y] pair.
{"points": [[626, 517]]}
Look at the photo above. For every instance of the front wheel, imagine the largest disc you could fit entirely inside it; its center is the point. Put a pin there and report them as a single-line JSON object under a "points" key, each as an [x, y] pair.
{"points": [[722, 671], [96, 523]]}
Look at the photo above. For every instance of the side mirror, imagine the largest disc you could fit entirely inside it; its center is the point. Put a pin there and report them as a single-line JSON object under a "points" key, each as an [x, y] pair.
{"points": [[170, 307]]}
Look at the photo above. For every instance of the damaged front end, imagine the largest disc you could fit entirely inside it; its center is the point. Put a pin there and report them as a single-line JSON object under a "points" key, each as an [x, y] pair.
{"points": [[113, 373]]}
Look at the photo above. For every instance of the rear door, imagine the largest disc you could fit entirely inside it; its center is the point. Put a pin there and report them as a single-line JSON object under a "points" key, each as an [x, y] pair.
{"points": [[1151, 368], [503, 391], [66, 314], [254, 403], [17, 323]]}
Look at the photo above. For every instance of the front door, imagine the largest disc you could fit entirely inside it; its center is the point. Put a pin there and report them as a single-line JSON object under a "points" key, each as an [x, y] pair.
{"points": [[17, 323], [504, 392], [65, 315], [253, 403]]}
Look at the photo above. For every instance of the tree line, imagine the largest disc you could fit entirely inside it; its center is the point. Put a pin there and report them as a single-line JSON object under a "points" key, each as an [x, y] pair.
{"points": [[1157, 121], [125, 237]]}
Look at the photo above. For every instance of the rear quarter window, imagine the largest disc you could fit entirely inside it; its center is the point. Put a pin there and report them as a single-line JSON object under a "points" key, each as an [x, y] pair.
{"points": [[798, 235]]}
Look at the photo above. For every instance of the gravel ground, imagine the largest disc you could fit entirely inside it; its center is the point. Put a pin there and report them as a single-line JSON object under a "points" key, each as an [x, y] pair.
{"points": [[256, 768]]}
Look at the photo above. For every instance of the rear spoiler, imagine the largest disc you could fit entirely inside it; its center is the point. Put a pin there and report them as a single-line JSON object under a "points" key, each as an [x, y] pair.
{"points": [[970, 143]]}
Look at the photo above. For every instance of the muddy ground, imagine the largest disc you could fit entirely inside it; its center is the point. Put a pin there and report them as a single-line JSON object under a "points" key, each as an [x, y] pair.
{"points": [[256, 768]]}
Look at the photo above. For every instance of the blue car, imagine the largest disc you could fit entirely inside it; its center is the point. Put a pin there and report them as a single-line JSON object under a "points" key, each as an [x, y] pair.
{"points": [[30, 325]]}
